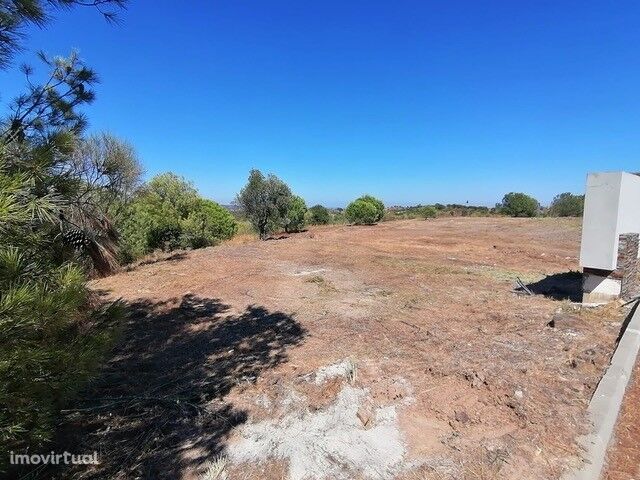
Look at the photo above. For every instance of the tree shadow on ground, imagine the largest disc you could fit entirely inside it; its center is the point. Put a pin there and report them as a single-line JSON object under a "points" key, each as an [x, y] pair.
{"points": [[158, 405], [560, 286], [157, 258]]}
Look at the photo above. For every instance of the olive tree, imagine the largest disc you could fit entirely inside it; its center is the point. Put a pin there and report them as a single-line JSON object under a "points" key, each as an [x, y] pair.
{"points": [[265, 201]]}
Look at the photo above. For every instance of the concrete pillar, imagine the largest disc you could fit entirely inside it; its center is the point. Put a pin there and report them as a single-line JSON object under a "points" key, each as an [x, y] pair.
{"points": [[610, 228]]}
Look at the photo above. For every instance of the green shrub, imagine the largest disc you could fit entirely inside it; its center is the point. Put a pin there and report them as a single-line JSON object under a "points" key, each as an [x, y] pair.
{"points": [[362, 212], [428, 212], [379, 206], [319, 215], [207, 224], [338, 217], [245, 228], [567, 205], [147, 225], [391, 215], [519, 205], [167, 214], [294, 221]]}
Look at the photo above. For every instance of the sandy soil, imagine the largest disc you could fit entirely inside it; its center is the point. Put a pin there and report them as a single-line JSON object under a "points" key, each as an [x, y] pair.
{"points": [[480, 384]]}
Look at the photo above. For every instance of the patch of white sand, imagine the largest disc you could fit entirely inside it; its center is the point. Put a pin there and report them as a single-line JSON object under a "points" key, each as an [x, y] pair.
{"points": [[330, 443], [309, 272], [340, 369]]}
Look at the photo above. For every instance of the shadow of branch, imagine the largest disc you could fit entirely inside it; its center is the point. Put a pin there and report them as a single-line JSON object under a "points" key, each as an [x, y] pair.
{"points": [[158, 405]]}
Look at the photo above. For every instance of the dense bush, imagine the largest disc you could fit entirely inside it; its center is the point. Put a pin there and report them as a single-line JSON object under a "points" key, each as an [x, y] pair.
{"points": [[379, 206], [319, 215], [567, 205], [362, 212], [338, 216], [295, 217], [519, 205], [168, 213], [207, 224]]}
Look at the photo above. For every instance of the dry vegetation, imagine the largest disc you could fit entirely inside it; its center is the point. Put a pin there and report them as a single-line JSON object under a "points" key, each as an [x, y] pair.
{"points": [[224, 337]]}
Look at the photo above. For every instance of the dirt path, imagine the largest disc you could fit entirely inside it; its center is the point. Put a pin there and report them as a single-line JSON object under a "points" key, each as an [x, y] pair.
{"points": [[623, 458], [223, 341]]}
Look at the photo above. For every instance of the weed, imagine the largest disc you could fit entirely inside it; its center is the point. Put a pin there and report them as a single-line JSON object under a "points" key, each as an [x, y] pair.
{"points": [[215, 470], [325, 285], [318, 279]]}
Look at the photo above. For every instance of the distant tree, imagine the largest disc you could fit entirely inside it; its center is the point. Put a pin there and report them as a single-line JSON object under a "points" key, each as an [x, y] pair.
{"points": [[265, 202], [519, 205], [362, 212], [567, 205], [440, 206], [296, 211], [319, 215], [379, 206]]}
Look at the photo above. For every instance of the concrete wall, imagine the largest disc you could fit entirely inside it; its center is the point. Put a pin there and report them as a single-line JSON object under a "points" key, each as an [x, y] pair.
{"points": [[611, 208], [629, 214], [599, 245]]}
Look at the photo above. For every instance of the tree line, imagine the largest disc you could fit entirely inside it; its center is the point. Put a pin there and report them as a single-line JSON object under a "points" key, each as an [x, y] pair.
{"points": [[522, 205]]}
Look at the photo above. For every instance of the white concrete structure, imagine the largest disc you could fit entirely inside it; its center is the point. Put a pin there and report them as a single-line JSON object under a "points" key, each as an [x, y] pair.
{"points": [[611, 207]]}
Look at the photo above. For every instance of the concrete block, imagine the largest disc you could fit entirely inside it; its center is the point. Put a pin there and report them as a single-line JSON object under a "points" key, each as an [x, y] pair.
{"points": [[599, 287], [610, 209]]}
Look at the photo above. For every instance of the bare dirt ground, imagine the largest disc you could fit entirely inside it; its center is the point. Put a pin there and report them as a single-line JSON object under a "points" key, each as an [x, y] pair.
{"points": [[623, 458], [393, 351]]}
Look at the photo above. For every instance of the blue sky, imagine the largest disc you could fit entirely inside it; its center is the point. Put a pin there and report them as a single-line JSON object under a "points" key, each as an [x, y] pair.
{"points": [[412, 101]]}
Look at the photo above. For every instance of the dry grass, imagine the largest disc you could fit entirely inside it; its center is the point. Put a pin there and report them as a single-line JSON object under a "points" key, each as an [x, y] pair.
{"points": [[325, 285]]}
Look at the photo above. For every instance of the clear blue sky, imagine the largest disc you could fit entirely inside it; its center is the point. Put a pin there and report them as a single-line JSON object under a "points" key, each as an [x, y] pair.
{"points": [[413, 101]]}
